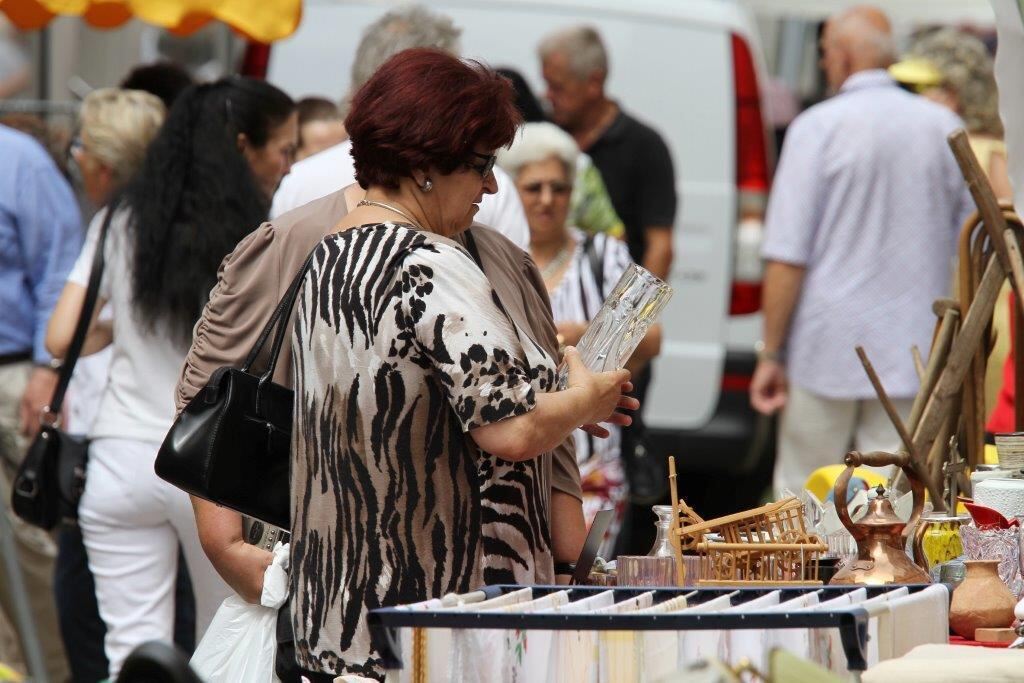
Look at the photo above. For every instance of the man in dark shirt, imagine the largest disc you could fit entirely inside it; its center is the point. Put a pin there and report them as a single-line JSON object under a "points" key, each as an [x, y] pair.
{"points": [[633, 160]]}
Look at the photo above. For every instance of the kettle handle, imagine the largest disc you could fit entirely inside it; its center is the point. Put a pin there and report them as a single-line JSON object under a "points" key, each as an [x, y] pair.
{"points": [[855, 459]]}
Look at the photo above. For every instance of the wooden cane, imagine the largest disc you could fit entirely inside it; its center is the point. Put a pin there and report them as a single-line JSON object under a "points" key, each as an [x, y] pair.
{"points": [[887, 405], [915, 353], [936, 362]]}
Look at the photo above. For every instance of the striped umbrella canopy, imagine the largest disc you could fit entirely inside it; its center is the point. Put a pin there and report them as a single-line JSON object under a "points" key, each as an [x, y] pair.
{"points": [[261, 20]]}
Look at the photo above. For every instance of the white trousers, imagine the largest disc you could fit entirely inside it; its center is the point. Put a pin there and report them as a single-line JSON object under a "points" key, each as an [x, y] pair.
{"points": [[815, 431], [132, 522]]}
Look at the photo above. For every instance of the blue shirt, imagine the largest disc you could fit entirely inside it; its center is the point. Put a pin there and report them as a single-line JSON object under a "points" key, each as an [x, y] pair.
{"points": [[40, 236], [868, 197]]}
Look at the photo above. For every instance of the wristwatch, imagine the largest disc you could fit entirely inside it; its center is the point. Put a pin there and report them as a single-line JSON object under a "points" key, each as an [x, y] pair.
{"points": [[764, 354], [52, 364]]}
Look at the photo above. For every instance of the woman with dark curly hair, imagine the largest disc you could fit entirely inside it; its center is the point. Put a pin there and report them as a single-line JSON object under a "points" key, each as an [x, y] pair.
{"points": [[420, 406], [207, 178]]}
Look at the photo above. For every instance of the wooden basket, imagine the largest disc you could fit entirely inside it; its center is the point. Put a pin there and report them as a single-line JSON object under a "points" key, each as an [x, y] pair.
{"points": [[766, 545]]}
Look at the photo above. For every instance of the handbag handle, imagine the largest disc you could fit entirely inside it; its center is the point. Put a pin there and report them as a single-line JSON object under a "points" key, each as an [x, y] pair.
{"points": [[278, 320], [278, 326], [51, 413]]}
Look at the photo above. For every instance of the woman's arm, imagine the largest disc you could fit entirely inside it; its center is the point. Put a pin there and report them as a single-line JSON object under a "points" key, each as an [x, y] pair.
{"points": [[591, 397], [61, 328], [568, 529], [240, 564]]}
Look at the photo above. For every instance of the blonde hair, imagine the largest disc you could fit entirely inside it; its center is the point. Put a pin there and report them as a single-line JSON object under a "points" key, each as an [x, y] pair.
{"points": [[119, 125]]}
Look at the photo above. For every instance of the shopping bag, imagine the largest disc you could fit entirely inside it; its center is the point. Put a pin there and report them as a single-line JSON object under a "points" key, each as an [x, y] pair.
{"points": [[241, 641]]}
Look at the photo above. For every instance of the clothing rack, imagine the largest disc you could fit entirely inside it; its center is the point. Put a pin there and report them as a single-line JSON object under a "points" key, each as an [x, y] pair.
{"points": [[852, 622]]}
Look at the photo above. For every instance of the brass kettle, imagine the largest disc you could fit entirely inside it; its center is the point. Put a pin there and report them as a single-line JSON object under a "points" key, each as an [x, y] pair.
{"points": [[880, 535]]}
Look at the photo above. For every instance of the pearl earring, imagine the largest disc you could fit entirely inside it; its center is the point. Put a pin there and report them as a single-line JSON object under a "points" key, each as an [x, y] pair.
{"points": [[427, 185]]}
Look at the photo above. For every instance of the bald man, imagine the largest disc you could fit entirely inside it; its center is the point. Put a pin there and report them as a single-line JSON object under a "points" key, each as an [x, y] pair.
{"points": [[859, 237]]}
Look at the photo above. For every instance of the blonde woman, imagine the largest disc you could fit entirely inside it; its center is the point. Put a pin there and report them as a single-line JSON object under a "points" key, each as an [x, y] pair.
{"points": [[115, 128], [968, 87]]}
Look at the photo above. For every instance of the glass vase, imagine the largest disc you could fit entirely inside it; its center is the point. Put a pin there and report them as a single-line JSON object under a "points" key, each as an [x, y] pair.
{"points": [[629, 311]]}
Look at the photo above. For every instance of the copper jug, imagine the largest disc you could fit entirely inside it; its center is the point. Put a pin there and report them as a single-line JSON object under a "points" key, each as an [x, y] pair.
{"points": [[880, 535]]}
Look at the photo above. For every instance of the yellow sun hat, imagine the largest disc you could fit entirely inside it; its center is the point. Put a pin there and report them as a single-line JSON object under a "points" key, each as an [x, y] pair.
{"points": [[917, 73]]}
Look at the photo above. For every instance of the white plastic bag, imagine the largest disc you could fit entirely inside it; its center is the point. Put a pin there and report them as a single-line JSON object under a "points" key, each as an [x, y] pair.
{"points": [[241, 641]]}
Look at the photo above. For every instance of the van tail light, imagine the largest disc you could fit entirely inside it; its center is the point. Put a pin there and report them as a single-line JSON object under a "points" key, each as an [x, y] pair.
{"points": [[752, 182], [255, 60]]}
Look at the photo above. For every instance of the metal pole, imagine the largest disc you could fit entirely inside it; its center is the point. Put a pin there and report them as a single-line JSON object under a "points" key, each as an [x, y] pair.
{"points": [[45, 59], [19, 598]]}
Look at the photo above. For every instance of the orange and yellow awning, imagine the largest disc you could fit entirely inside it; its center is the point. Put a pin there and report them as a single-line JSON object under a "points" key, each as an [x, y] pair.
{"points": [[261, 20]]}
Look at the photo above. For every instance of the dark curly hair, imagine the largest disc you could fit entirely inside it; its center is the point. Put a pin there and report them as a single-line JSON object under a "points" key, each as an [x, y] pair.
{"points": [[425, 108], [195, 197]]}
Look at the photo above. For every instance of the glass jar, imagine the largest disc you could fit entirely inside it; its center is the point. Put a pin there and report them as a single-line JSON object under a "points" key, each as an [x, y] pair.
{"points": [[937, 539]]}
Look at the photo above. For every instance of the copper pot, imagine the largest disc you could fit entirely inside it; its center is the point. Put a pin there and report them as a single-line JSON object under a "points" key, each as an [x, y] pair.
{"points": [[880, 534]]}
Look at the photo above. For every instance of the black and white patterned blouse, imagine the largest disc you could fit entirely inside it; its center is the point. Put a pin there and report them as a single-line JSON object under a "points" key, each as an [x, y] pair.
{"points": [[400, 347]]}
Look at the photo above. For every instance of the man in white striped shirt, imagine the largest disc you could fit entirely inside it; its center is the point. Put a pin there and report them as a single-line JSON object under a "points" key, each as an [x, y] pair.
{"points": [[860, 238]]}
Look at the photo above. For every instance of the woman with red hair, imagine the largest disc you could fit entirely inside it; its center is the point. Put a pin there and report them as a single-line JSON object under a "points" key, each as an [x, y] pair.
{"points": [[421, 407]]}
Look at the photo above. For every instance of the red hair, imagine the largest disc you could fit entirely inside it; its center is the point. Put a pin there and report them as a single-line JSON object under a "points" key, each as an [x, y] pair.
{"points": [[425, 108]]}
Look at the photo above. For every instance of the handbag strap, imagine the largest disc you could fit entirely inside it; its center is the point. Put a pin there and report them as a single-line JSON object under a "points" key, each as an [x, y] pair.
{"points": [[92, 293], [279, 321]]}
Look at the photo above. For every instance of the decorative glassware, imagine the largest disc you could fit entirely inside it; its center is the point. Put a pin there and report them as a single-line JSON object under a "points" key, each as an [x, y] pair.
{"points": [[937, 539], [996, 544], [628, 312], [645, 570], [663, 542]]}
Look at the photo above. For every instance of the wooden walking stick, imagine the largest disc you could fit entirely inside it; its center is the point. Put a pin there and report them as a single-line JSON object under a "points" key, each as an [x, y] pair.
{"points": [[916, 464]]}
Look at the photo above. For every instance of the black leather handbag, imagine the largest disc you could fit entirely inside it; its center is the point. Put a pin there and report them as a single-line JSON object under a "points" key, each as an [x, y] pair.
{"points": [[51, 478], [230, 445]]}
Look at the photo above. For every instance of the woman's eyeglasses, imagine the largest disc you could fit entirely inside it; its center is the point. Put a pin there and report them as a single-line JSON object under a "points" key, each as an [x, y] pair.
{"points": [[485, 165], [556, 187]]}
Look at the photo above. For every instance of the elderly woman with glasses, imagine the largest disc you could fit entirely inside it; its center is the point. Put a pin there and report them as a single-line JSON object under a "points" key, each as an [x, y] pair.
{"points": [[579, 271], [421, 407]]}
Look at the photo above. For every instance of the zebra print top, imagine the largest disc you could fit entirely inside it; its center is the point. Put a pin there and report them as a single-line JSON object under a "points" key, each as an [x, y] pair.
{"points": [[400, 347]]}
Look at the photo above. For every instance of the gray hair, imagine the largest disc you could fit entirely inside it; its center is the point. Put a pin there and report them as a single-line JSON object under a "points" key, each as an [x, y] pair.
{"points": [[401, 29], [539, 142], [583, 47], [966, 68]]}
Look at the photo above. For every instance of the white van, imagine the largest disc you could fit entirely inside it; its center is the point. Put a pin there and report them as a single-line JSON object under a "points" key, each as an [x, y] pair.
{"points": [[692, 70]]}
